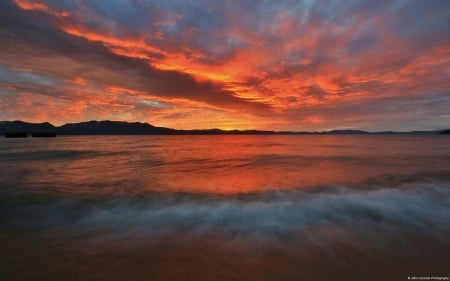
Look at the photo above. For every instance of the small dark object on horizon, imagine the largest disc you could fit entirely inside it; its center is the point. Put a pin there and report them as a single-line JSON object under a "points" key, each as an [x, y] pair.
{"points": [[44, 135], [16, 135], [445, 132]]}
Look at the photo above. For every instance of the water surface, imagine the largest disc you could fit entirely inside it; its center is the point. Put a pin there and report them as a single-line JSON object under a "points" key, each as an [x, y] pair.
{"points": [[225, 207]]}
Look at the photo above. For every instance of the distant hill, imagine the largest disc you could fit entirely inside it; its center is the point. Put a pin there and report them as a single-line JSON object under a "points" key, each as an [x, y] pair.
{"points": [[24, 127], [137, 128], [111, 128]]}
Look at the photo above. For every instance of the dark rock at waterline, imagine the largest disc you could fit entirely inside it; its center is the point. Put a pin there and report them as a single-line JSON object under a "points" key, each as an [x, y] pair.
{"points": [[15, 135], [43, 135]]}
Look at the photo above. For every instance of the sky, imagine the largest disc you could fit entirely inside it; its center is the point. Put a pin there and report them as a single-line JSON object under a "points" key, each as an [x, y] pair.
{"points": [[251, 64]]}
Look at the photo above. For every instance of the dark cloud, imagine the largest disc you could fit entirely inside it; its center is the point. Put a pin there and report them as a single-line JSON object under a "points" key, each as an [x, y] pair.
{"points": [[39, 39], [316, 92]]}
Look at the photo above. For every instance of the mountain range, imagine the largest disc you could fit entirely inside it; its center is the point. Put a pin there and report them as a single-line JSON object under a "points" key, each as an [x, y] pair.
{"points": [[108, 127]]}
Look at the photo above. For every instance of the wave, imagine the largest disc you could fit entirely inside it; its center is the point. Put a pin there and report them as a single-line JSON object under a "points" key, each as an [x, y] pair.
{"points": [[417, 209], [382, 233]]}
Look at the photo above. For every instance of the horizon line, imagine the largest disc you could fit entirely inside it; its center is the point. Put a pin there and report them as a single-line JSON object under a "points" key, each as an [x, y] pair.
{"points": [[232, 130]]}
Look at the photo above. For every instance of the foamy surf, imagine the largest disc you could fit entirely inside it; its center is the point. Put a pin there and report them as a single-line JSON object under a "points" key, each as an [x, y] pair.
{"points": [[331, 229], [418, 207]]}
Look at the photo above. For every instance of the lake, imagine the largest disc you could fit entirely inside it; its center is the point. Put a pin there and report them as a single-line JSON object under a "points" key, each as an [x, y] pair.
{"points": [[225, 207]]}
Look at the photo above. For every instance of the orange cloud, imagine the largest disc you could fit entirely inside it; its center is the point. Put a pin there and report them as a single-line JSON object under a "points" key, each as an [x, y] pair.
{"points": [[34, 5], [277, 67]]}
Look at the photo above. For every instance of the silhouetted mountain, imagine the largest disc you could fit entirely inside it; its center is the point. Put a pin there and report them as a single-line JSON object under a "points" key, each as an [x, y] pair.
{"points": [[136, 128], [445, 132], [111, 128], [408, 133], [24, 127]]}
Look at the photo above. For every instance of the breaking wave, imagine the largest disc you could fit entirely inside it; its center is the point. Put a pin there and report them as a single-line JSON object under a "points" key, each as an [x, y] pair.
{"points": [[422, 208], [275, 235]]}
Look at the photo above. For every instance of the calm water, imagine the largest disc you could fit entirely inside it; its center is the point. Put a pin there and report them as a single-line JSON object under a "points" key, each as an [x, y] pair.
{"points": [[225, 208]]}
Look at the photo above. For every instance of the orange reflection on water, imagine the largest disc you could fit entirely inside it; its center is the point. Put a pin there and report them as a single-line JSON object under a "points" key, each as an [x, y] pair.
{"points": [[219, 164]]}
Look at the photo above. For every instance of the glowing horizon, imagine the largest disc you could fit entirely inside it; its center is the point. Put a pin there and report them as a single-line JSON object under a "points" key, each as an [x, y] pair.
{"points": [[289, 65]]}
